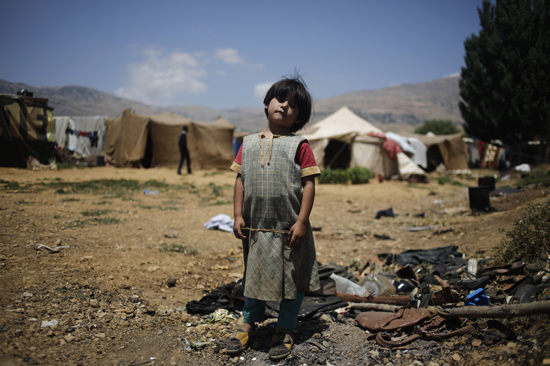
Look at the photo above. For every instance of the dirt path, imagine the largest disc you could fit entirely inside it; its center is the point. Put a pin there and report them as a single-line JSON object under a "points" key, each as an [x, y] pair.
{"points": [[111, 291]]}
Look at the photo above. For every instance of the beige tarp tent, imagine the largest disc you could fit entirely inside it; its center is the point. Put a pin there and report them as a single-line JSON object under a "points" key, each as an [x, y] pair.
{"points": [[136, 140], [454, 151], [341, 140]]}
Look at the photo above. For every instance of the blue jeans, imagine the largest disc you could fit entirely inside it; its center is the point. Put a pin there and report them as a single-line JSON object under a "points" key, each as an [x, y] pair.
{"points": [[254, 311]]}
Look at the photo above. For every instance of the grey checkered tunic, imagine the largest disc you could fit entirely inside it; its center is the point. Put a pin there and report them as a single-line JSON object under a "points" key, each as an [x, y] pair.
{"points": [[272, 200]]}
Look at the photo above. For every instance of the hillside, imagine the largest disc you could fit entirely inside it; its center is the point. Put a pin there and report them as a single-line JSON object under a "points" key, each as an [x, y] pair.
{"points": [[398, 108]]}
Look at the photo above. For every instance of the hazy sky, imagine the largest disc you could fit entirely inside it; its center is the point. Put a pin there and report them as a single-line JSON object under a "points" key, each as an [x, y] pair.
{"points": [[223, 54]]}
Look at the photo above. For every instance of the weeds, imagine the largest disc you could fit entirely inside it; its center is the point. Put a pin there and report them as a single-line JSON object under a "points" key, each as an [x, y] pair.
{"points": [[355, 175], [178, 248], [537, 176], [530, 235], [23, 202], [95, 212], [94, 221], [448, 179]]}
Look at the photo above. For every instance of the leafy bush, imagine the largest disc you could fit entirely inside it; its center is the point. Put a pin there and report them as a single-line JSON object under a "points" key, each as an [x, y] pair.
{"points": [[438, 127], [358, 175], [333, 176], [530, 235]]}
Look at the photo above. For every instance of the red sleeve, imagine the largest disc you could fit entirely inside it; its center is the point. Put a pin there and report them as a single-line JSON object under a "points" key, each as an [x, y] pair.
{"points": [[239, 157], [304, 156]]}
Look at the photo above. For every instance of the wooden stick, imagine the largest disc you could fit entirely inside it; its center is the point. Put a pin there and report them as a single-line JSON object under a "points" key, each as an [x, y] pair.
{"points": [[503, 311], [270, 230], [380, 307], [444, 296]]}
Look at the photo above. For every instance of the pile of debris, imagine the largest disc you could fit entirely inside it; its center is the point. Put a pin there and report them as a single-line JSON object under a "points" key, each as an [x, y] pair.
{"points": [[415, 296]]}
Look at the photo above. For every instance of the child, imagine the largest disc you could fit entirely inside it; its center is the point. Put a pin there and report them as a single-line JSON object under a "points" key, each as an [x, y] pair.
{"points": [[273, 197]]}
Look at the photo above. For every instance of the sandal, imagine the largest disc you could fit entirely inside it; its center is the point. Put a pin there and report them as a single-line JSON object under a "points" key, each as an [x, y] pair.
{"points": [[239, 341], [281, 344]]}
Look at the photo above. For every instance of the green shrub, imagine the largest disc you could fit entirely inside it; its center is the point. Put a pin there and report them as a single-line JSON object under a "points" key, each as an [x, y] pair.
{"points": [[333, 176], [530, 235], [358, 175], [438, 127]]}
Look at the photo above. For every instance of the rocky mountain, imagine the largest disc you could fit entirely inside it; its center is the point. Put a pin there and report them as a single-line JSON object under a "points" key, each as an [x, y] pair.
{"points": [[399, 108]]}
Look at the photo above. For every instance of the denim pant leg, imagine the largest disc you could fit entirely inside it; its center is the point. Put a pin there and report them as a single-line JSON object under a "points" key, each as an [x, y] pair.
{"points": [[254, 311], [288, 312]]}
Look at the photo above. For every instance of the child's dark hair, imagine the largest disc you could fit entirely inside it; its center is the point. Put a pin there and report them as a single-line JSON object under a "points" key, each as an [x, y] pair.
{"points": [[296, 87]]}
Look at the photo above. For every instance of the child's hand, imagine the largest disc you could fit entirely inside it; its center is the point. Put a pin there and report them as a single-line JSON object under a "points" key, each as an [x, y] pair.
{"points": [[238, 225], [297, 234]]}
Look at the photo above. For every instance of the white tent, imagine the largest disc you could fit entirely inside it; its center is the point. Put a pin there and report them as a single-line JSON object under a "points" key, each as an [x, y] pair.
{"points": [[85, 135], [342, 140]]}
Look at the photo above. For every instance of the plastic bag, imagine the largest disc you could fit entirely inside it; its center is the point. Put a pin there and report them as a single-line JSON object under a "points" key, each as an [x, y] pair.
{"points": [[345, 286]]}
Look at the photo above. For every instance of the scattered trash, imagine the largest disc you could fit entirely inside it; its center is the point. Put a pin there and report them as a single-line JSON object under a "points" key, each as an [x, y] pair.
{"points": [[345, 286], [148, 192], [419, 228], [44, 248], [476, 298], [49, 323], [377, 285], [383, 237], [523, 168], [385, 213], [221, 222]]}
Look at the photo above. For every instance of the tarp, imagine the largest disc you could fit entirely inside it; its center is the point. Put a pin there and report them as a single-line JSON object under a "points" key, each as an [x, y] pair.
{"points": [[366, 151], [26, 130], [452, 147], [137, 140], [84, 135]]}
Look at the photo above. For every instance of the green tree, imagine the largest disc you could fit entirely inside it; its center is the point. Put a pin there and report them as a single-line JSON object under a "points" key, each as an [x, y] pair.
{"points": [[505, 86], [438, 127]]}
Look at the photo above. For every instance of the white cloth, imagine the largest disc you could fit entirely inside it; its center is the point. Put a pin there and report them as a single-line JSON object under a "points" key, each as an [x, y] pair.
{"points": [[413, 146], [524, 168], [221, 222]]}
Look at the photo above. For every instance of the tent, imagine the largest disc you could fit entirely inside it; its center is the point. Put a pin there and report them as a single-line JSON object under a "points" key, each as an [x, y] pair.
{"points": [[451, 150], [344, 140], [137, 140], [84, 135], [26, 130]]}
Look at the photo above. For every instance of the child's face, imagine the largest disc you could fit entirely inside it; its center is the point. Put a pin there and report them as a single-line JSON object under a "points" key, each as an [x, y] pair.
{"points": [[282, 111]]}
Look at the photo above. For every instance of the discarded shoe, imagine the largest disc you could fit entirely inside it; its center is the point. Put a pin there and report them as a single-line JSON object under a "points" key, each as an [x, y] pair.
{"points": [[542, 263], [474, 284], [239, 341], [527, 280], [508, 270], [281, 345]]}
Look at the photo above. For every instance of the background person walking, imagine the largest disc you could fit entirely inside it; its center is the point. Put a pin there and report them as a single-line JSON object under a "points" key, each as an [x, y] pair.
{"points": [[184, 152]]}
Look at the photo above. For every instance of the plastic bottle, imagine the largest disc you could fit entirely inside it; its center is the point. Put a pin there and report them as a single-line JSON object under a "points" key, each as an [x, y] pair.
{"points": [[377, 285]]}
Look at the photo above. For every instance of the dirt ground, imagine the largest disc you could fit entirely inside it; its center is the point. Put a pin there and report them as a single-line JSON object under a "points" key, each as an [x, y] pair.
{"points": [[115, 293]]}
